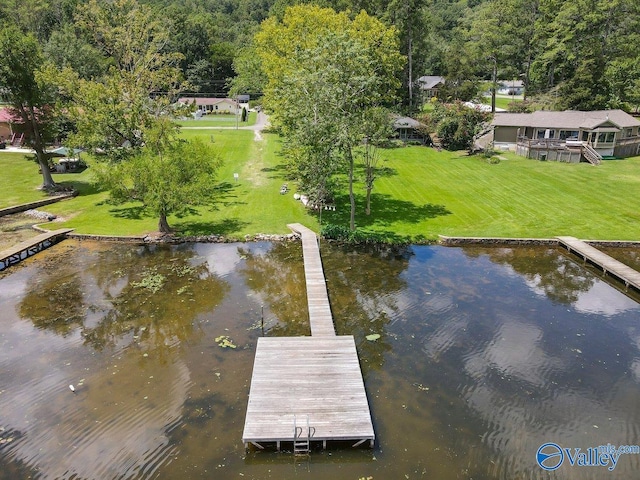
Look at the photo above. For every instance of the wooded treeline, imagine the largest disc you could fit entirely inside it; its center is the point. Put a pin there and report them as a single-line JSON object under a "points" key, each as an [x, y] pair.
{"points": [[579, 54]]}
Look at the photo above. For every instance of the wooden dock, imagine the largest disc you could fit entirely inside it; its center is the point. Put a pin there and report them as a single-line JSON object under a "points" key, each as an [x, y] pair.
{"points": [[308, 389], [611, 266], [30, 247], [320, 317], [295, 378]]}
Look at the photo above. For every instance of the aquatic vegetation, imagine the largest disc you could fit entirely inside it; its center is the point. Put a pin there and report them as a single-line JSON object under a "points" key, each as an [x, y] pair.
{"points": [[225, 342]]}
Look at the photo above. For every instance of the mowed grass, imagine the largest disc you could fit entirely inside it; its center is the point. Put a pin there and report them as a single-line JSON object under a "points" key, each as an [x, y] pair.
{"points": [[20, 180], [503, 101], [249, 206], [423, 193], [419, 194], [214, 121]]}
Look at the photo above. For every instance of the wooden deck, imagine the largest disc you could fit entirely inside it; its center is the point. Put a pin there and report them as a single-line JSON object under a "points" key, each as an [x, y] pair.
{"points": [[30, 247], [318, 377], [320, 317], [611, 266], [315, 379]]}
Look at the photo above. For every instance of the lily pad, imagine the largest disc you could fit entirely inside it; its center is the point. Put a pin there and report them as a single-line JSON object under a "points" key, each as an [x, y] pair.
{"points": [[373, 337], [225, 342]]}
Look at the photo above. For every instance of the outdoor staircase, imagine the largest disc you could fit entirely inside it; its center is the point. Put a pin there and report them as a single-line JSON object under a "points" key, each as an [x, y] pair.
{"points": [[591, 154], [17, 140], [302, 442]]}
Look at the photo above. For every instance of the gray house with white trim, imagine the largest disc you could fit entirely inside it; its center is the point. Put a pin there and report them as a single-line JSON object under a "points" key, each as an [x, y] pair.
{"points": [[609, 133]]}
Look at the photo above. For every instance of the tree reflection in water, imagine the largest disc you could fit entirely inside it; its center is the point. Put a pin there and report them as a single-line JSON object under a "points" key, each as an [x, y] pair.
{"points": [[148, 296], [363, 284], [278, 276], [558, 276]]}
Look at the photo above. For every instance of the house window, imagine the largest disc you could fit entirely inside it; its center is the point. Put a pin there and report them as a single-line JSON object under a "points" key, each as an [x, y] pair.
{"points": [[606, 137], [546, 133], [585, 136], [628, 132], [564, 134]]}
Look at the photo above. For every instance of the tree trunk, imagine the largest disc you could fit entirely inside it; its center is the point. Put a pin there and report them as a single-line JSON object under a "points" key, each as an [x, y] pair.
{"points": [[29, 118], [368, 209], [352, 199], [163, 225]]}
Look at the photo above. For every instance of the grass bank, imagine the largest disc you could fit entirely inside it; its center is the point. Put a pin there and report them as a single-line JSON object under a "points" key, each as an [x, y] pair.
{"points": [[419, 194], [423, 193]]}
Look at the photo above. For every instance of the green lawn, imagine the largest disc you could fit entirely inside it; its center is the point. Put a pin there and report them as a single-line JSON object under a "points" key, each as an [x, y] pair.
{"points": [[251, 205], [426, 193], [214, 121], [20, 180], [502, 101], [420, 193]]}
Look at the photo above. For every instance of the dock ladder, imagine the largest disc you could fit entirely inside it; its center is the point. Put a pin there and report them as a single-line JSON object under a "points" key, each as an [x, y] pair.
{"points": [[301, 443]]}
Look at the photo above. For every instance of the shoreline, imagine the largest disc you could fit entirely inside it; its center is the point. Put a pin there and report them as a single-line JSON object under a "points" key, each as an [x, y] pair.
{"points": [[443, 240]]}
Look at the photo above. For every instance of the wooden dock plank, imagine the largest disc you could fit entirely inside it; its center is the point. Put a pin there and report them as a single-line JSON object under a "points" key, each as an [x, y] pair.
{"points": [[608, 264], [315, 376]]}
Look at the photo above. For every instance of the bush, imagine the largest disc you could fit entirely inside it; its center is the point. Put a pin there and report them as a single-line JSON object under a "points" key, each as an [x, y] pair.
{"points": [[456, 124], [342, 234]]}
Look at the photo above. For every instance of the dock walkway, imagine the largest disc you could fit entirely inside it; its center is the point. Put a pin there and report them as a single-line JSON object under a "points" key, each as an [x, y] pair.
{"points": [[320, 317], [611, 266], [308, 389], [30, 247]]}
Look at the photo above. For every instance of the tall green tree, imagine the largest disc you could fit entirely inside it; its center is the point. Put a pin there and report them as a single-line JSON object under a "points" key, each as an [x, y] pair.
{"points": [[30, 98], [166, 179], [584, 46], [125, 115], [325, 72], [114, 112]]}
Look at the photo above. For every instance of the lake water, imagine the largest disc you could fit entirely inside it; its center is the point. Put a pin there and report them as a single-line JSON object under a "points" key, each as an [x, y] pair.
{"points": [[484, 355]]}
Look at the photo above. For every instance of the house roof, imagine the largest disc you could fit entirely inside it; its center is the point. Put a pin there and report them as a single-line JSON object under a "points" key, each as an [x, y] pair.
{"points": [[204, 100], [7, 117], [430, 81], [570, 119], [406, 122]]}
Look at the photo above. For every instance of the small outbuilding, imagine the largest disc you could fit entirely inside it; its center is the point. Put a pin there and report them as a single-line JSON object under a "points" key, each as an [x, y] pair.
{"points": [[410, 130]]}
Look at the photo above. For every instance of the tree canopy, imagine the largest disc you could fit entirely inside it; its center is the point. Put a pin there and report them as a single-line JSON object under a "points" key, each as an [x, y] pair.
{"points": [[571, 54], [30, 98], [325, 73]]}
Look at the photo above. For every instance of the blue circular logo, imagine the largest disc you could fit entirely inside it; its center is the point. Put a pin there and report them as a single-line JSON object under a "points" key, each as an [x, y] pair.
{"points": [[550, 456]]}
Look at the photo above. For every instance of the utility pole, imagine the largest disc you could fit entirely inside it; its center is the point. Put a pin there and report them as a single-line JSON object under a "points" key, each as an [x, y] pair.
{"points": [[494, 74]]}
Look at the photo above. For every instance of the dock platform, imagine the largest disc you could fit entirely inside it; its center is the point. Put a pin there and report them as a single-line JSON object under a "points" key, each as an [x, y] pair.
{"points": [[611, 266], [308, 389], [317, 378], [30, 247]]}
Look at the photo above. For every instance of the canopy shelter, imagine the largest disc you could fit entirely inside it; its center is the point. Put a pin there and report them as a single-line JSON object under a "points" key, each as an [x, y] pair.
{"points": [[65, 152]]}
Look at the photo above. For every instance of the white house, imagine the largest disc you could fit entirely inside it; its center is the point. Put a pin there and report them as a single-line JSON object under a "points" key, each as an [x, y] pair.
{"points": [[510, 87], [212, 105]]}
